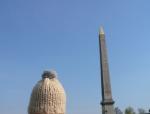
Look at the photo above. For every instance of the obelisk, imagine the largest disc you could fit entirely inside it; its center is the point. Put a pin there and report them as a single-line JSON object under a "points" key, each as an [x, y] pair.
{"points": [[107, 101]]}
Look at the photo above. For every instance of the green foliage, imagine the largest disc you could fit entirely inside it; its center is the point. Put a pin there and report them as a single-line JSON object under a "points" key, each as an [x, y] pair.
{"points": [[129, 110]]}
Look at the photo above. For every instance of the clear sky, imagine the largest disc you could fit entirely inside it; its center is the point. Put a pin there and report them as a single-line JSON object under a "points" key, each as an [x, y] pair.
{"points": [[63, 35]]}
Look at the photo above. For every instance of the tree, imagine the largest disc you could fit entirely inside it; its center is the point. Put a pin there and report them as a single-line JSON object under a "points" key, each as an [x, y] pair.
{"points": [[129, 110], [118, 111], [141, 111]]}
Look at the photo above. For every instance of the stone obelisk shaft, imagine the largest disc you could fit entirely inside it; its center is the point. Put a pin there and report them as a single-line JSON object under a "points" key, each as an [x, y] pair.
{"points": [[107, 101]]}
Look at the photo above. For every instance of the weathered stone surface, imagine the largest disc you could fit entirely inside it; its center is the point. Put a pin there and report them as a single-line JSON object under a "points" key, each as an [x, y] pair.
{"points": [[107, 101]]}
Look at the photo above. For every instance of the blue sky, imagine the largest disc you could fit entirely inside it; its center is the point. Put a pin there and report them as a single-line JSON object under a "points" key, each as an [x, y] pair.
{"points": [[63, 35]]}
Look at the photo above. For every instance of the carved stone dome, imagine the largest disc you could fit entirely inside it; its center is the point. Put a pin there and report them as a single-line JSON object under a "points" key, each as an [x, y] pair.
{"points": [[48, 96]]}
